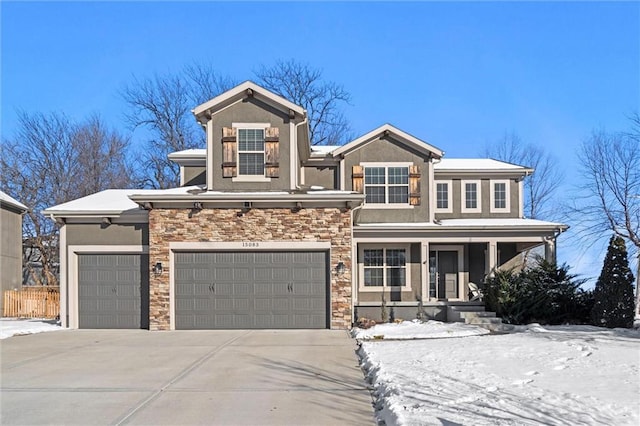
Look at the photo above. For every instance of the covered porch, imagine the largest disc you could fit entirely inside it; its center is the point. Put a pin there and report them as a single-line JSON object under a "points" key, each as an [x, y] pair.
{"points": [[425, 269]]}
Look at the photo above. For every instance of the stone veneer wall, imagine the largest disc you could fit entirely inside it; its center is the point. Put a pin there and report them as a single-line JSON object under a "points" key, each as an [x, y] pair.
{"points": [[223, 225]]}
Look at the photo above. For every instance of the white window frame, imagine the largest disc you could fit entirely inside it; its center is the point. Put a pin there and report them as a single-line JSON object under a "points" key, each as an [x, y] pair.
{"points": [[449, 184], [463, 196], [507, 203], [386, 204], [384, 247], [248, 126]]}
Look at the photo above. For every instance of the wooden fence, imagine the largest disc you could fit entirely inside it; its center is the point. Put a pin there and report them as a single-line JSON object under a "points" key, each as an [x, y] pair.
{"points": [[32, 302]]}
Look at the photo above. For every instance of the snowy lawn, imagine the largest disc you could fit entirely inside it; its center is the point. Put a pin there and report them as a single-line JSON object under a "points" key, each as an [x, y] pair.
{"points": [[536, 375], [19, 327]]}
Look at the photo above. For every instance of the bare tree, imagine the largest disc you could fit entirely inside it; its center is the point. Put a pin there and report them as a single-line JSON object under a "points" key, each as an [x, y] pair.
{"points": [[162, 105], [608, 201], [51, 160], [323, 100], [539, 187]]}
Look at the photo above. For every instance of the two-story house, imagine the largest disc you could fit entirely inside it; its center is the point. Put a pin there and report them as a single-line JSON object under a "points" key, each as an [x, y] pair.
{"points": [[267, 231]]}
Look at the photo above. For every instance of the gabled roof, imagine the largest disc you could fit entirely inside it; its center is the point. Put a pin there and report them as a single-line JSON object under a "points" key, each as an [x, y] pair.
{"points": [[241, 91], [398, 134], [6, 199]]}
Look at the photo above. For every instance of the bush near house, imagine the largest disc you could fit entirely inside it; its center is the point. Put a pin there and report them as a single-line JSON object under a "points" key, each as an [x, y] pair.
{"points": [[546, 293]]}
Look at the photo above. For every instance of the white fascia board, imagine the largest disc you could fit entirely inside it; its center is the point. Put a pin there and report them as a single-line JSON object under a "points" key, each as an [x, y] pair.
{"points": [[444, 228], [240, 92], [191, 157], [403, 136], [135, 215], [251, 196]]}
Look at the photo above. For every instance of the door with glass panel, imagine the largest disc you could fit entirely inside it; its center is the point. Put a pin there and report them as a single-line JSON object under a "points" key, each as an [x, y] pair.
{"points": [[443, 274]]}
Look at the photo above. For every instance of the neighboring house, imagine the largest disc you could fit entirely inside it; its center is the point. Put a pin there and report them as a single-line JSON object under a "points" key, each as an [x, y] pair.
{"points": [[11, 212], [269, 232]]}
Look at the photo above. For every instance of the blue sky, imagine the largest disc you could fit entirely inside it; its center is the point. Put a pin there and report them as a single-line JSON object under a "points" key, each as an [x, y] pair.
{"points": [[457, 75]]}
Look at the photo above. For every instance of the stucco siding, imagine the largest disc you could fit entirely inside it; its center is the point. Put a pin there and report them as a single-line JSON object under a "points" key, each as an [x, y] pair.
{"points": [[195, 175], [485, 196], [10, 251], [386, 151], [111, 235], [251, 111], [321, 176]]}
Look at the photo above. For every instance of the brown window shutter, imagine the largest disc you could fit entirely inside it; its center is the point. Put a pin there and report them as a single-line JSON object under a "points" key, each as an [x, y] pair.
{"points": [[414, 185], [272, 151], [357, 178], [229, 147]]}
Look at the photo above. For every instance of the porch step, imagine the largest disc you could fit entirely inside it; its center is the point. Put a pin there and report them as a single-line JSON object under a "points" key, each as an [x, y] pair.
{"points": [[468, 315], [491, 323]]}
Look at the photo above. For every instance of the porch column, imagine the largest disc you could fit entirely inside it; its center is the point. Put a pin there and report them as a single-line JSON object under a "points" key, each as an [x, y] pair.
{"points": [[550, 250], [424, 270], [492, 257]]}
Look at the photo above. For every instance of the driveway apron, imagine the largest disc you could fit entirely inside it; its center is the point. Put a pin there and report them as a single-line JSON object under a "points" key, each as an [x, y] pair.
{"points": [[260, 377]]}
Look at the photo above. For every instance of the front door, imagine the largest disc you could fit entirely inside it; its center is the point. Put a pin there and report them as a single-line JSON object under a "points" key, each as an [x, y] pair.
{"points": [[443, 274]]}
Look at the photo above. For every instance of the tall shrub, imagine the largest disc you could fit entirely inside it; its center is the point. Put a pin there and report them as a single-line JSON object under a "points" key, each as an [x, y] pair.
{"points": [[614, 304]]}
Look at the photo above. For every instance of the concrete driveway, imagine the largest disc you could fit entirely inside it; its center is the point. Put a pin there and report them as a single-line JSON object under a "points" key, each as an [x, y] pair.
{"points": [[182, 378]]}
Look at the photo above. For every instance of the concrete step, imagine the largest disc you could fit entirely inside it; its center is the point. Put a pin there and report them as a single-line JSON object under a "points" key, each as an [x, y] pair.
{"points": [[484, 320], [467, 308], [477, 314]]}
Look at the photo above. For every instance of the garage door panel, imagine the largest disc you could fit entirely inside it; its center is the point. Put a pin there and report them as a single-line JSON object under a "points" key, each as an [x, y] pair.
{"points": [[254, 290], [113, 290]]}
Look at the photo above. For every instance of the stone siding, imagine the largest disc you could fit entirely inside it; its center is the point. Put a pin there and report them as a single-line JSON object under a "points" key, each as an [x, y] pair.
{"points": [[224, 225]]}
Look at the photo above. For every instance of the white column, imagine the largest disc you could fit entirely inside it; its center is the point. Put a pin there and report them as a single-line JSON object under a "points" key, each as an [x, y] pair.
{"points": [[550, 250], [424, 270], [492, 257], [431, 192], [63, 276]]}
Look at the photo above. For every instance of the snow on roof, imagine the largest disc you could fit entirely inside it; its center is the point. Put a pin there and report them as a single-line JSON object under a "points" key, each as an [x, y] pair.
{"points": [[475, 164], [110, 200], [9, 200], [469, 223], [323, 149], [196, 152]]}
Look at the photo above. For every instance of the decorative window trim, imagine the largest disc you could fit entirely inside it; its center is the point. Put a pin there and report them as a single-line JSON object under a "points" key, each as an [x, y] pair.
{"points": [[385, 247], [449, 184], [386, 166], [249, 178], [507, 207], [463, 196]]}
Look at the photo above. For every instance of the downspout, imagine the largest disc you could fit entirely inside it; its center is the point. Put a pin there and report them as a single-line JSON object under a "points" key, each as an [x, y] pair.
{"points": [[305, 121]]}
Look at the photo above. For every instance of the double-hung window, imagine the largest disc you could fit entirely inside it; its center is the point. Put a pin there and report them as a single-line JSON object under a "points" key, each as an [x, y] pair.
{"points": [[384, 267], [251, 152], [386, 184], [443, 196], [500, 196], [471, 196]]}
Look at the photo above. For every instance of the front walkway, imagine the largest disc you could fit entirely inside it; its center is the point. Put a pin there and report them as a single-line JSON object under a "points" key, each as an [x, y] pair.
{"points": [[183, 378]]}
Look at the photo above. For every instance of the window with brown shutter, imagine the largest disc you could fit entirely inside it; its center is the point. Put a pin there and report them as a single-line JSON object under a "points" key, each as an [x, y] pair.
{"points": [[229, 147]]}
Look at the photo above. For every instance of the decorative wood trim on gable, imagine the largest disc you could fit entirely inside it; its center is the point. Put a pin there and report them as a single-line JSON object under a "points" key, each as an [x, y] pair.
{"points": [[229, 148], [414, 185], [357, 178], [272, 151]]}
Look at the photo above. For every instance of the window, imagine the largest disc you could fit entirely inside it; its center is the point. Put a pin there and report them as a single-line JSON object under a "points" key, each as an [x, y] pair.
{"points": [[500, 196], [443, 196], [384, 267], [471, 196], [386, 184], [251, 152]]}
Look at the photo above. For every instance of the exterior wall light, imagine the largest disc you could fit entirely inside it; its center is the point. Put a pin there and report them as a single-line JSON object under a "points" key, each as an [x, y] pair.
{"points": [[157, 268], [340, 268]]}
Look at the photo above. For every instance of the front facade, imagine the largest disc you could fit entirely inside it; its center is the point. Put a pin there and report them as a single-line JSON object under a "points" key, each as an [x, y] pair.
{"points": [[11, 212], [266, 231]]}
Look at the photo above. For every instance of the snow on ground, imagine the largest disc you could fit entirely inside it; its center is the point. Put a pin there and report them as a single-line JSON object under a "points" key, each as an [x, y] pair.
{"points": [[19, 327], [538, 375], [418, 330]]}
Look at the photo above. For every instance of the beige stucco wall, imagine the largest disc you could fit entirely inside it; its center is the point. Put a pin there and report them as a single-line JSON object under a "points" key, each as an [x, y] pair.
{"points": [[485, 188], [331, 225], [251, 110], [10, 251], [195, 175], [111, 235], [387, 150], [326, 177]]}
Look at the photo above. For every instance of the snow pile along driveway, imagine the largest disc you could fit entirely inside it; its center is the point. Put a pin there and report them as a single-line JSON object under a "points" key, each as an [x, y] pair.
{"points": [[415, 329], [550, 375], [19, 327]]}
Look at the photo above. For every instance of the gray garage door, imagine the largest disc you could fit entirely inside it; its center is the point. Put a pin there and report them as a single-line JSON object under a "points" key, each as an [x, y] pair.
{"points": [[251, 290], [113, 291]]}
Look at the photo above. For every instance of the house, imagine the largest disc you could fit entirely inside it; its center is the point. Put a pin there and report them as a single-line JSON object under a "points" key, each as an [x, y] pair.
{"points": [[267, 231], [11, 212]]}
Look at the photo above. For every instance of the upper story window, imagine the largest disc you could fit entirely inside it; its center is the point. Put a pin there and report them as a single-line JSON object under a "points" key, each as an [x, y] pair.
{"points": [[443, 196], [251, 152], [387, 185], [500, 192], [471, 196]]}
